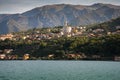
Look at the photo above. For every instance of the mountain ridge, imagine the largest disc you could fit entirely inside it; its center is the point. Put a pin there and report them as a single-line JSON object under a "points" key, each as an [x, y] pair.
{"points": [[56, 15]]}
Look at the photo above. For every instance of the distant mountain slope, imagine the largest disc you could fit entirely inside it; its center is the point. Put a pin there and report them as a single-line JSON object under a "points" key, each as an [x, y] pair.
{"points": [[56, 15]]}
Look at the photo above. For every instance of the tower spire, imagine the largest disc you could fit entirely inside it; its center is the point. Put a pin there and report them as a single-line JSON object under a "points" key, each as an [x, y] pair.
{"points": [[66, 24]]}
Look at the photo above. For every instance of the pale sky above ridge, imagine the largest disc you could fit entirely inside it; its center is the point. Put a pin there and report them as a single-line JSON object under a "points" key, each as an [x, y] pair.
{"points": [[20, 6]]}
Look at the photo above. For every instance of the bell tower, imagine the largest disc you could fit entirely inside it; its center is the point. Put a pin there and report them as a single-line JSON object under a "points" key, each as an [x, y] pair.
{"points": [[66, 24]]}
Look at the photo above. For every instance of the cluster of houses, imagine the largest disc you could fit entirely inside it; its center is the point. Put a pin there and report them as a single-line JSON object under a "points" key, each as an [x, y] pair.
{"points": [[66, 31], [81, 56], [6, 36], [6, 54]]}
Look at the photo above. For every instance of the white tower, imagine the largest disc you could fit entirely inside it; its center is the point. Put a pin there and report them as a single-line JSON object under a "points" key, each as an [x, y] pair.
{"points": [[65, 24], [66, 29]]}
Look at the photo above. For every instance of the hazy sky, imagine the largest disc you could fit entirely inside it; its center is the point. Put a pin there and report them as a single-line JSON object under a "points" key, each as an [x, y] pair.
{"points": [[19, 6]]}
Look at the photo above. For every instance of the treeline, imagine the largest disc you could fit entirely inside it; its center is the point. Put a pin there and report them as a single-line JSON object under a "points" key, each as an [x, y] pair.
{"points": [[105, 46]]}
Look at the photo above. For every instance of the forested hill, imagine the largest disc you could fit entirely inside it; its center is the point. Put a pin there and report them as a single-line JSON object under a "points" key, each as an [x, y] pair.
{"points": [[111, 25], [105, 46]]}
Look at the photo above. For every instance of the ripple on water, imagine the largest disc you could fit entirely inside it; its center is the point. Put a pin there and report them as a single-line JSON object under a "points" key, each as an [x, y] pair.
{"points": [[59, 70]]}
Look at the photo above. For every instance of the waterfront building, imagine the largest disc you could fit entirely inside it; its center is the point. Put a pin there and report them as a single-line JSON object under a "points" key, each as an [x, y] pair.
{"points": [[26, 56], [2, 56], [117, 58]]}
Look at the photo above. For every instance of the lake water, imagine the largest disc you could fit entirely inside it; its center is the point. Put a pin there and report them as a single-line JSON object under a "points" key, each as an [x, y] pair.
{"points": [[59, 70]]}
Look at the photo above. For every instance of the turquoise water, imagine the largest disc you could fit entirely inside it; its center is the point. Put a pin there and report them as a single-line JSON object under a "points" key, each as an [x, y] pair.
{"points": [[59, 70]]}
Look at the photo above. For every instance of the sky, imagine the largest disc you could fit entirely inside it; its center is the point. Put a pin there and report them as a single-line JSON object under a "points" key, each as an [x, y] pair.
{"points": [[20, 6]]}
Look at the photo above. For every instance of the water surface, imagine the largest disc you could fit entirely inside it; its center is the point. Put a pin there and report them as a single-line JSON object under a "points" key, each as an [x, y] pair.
{"points": [[59, 70]]}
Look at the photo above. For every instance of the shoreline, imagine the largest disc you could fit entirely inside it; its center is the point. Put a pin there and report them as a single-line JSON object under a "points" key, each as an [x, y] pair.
{"points": [[60, 60]]}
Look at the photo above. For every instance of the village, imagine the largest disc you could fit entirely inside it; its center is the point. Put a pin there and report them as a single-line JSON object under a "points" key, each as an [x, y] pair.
{"points": [[66, 31]]}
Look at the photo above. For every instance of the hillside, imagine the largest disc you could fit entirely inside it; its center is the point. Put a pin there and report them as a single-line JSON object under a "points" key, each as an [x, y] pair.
{"points": [[56, 15], [111, 25]]}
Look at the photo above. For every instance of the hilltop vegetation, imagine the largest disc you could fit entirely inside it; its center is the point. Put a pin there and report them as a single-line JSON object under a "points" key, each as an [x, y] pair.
{"points": [[107, 26]]}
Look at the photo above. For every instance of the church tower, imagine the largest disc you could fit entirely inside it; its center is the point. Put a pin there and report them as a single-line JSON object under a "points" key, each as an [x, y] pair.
{"points": [[65, 24], [66, 29]]}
